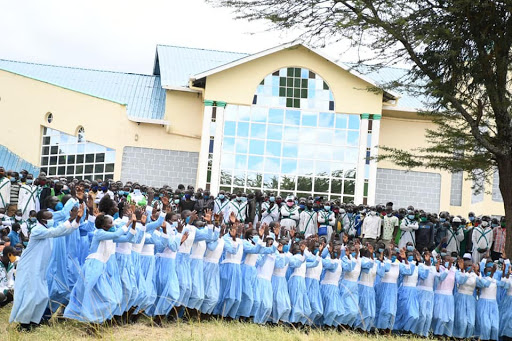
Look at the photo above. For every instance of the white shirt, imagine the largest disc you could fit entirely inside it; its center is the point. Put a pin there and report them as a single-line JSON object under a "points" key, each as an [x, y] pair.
{"points": [[371, 227]]}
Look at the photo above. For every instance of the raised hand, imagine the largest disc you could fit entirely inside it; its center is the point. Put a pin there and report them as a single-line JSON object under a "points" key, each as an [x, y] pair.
{"points": [[261, 231], [232, 217], [143, 219], [73, 214], [184, 237], [460, 264], [80, 214], [208, 216], [292, 233]]}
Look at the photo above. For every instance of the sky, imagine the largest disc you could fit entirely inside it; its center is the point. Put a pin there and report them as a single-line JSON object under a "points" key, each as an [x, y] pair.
{"points": [[122, 35]]}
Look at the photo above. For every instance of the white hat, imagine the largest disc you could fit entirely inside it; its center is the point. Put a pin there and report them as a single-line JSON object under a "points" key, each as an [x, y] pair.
{"points": [[456, 220], [467, 256]]}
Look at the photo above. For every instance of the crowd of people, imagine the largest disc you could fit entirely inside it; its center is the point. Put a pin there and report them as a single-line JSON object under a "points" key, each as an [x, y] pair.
{"points": [[101, 251]]}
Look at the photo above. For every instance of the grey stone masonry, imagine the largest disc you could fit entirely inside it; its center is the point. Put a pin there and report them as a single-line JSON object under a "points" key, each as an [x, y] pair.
{"points": [[158, 167], [496, 193], [404, 188], [456, 189]]}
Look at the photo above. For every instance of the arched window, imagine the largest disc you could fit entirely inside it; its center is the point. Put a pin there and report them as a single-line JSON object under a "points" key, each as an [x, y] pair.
{"points": [[49, 117], [81, 134]]}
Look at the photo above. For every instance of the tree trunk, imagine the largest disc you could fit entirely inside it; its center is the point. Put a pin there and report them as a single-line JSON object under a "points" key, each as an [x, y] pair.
{"points": [[505, 173]]}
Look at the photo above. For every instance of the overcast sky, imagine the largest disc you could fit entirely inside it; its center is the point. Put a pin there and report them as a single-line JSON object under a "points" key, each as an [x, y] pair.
{"points": [[122, 35]]}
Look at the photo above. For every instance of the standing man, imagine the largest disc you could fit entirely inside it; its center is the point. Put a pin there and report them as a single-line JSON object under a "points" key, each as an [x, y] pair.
{"points": [[482, 239], [499, 234], [5, 189], [221, 206], [238, 206], [28, 199], [408, 226], [371, 227], [15, 192], [390, 225]]}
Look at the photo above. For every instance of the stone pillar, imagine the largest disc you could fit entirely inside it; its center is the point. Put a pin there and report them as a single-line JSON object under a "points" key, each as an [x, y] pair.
{"points": [[361, 161]]}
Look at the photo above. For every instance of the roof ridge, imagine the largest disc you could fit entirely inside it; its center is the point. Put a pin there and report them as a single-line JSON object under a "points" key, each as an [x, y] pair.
{"points": [[77, 68], [203, 49], [376, 66]]}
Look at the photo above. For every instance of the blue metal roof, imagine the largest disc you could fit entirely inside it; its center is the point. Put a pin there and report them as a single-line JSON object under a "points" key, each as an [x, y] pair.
{"points": [[143, 94], [11, 161], [176, 64]]}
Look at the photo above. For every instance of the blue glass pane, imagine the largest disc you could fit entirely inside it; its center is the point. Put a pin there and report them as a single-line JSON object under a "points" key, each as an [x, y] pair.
{"points": [[273, 148], [325, 136], [366, 171], [291, 133], [256, 147], [275, 132], [242, 145], [229, 128], [351, 155], [227, 161], [230, 113], [322, 168], [290, 150], [304, 73], [309, 150], [271, 164], [275, 115], [353, 122], [258, 130], [241, 162], [228, 145], [369, 140], [338, 154], [292, 117], [259, 114], [340, 137], [309, 119], [326, 119], [244, 113], [341, 121], [243, 129], [255, 163], [306, 167], [353, 138], [289, 166]]}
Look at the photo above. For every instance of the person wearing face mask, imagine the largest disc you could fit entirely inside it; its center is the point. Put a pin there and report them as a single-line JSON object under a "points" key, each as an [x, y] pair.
{"points": [[270, 210], [505, 308], [390, 226], [94, 299], [348, 288], [8, 260], [135, 197], [221, 206], [465, 300], [14, 194], [427, 273], [308, 220], [204, 201], [187, 204], [482, 239], [28, 199], [444, 312], [326, 220], [424, 233], [103, 190], [331, 299], [289, 214], [408, 308], [371, 227], [499, 235], [238, 206], [31, 289], [408, 227], [29, 224]]}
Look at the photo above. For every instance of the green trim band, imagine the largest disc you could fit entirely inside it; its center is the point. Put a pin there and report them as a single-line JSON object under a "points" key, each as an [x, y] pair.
{"points": [[208, 103], [365, 116], [220, 104], [377, 116]]}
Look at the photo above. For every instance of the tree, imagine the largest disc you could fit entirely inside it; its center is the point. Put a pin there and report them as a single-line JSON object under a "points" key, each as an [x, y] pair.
{"points": [[459, 52]]}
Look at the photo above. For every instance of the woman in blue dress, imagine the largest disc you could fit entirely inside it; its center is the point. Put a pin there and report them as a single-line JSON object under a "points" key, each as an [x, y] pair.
{"points": [[333, 305], [465, 300], [349, 291], [427, 274], [281, 305], [408, 314], [505, 307], [313, 274], [93, 299]]}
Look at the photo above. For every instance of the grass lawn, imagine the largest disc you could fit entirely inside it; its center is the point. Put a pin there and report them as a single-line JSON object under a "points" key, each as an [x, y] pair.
{"points": [[206, 330]]}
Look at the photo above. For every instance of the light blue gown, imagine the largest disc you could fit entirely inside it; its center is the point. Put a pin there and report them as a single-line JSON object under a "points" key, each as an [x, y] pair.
{"points": [[349, 290], [506, 311], [301, 309], [465, 305], [31, 288], [249, 274], [444, 304], [313, 275], [370, 270], [197, 267], [84, 243], [93, 298], [408, 307], [59, 284], [230, 293], [263, 295], [281, 305], [333, 305], [487, 312], [426, 279]]}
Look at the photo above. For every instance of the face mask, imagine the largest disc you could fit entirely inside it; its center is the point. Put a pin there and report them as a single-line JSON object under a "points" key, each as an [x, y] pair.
{"points": [[443, 254], [315, 251], [316, 209], [503, 224], [410, 258], [350, 214], [116, 215], [187, 220], [221, 196], [174, 224], [59, 206], [243, 199], [238, 199], [112, 229], [488, 274], [494, 225], [13, 179], [327, 208], [397, 250], [206, 197], [29, 181], [286, 248], [302, 207], [423, 219], [410, 248], [289, 204], [18, 217], [373, 212], [50, 223], [353, 254], [381, 250], [468, 269], [389, 215], [485, 223], [446, 264], [272, 199], [471, 218], [176, 201], [335, 255], [135, 191], [156, 198], [442, 220], [393, 259], [104, 188], [410, 216], [32, 219], [187, 196], [120, 193]]}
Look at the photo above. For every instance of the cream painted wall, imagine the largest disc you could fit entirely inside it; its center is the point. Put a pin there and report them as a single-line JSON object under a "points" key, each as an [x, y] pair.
{"points": [[409, 134], [24, 103], [184, 110], [238, 85]]}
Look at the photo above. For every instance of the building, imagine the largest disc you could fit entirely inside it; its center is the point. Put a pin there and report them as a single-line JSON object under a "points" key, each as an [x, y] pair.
{"points": [[287, 120]]}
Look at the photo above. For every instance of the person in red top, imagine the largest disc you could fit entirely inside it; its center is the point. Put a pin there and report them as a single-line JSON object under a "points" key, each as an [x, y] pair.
{"points": [[499, 236]]}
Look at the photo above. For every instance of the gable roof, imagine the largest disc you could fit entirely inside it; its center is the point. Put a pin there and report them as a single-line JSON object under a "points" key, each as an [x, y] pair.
{"points": [[142, 94]]}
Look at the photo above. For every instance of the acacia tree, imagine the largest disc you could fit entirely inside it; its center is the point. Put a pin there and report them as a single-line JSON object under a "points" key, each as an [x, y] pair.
{"points": [[460, 52]]}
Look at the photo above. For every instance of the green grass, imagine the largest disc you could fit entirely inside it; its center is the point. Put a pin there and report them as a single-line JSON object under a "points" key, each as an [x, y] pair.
{"points": [[205, 330]]}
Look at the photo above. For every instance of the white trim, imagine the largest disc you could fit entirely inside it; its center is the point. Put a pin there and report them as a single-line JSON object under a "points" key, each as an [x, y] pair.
{"points": [[361, 162], [148, 120], [267, 52], [202, 169], [217, 150], [179, 88], [374, 152], [406, 109]]}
